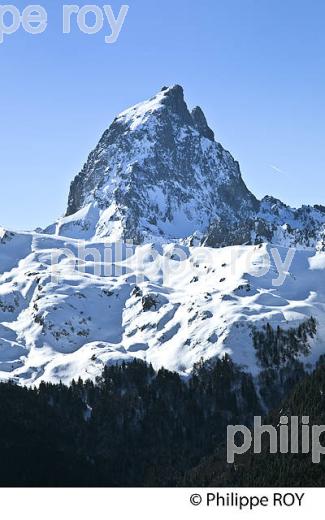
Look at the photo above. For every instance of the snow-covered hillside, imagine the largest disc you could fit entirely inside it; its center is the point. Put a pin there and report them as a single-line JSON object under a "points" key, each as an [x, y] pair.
{"points": [[169, 305], [197, 271]]}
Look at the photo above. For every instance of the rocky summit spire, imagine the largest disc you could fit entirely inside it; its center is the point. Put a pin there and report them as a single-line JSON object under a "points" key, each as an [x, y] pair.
{"points": [[174, 99], [201, 124], [156, 174]]}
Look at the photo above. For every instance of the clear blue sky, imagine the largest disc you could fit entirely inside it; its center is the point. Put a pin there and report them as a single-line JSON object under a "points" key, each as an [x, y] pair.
{"points": [[257, 68]]}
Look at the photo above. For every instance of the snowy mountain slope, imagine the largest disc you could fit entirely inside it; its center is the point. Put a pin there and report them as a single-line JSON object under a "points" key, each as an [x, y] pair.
{"points": [[197, 271], [166, 305]]}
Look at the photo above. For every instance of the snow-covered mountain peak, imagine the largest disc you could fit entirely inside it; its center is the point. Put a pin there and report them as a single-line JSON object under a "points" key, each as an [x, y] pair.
{"points": [[169, 99], [157, 175]]}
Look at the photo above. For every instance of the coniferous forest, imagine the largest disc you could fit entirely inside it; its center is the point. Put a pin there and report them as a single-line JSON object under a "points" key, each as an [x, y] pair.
{"points": [[133, 427], [274, 470], [137, 427]]}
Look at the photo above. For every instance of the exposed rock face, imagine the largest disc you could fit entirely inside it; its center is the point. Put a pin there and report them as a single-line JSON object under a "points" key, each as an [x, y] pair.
{"points": [[201, 123], [274, 222]]}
